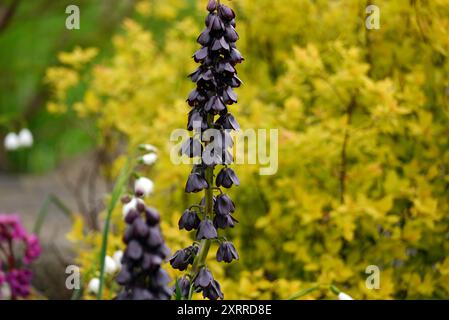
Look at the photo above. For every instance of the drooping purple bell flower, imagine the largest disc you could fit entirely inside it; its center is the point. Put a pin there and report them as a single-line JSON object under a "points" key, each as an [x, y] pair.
{"points": [[226, 252], [189, 220], [223, 221], [204, 278], [213, 291], [206, 230], [224, 205], [180, 260], [226, 178], [196, 183], [228, 122]]}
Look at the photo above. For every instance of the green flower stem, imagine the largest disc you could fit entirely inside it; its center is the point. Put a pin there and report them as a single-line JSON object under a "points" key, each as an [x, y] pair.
{"points": [[122, 179], [200, 259], [203, 250]]}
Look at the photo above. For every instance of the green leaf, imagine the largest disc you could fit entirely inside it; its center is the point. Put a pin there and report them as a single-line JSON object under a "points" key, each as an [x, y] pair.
{"points": [[302, 293], [122, 179], [178, 295]]}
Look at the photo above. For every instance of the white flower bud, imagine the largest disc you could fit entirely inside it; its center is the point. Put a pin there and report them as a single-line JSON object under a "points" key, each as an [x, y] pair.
{"points": [[25, 138], [148, 148], [117, 256], [144, 186], [344, 296], [149, 159], [110, 267], [94, 285], [132, 205], [11, 141]]}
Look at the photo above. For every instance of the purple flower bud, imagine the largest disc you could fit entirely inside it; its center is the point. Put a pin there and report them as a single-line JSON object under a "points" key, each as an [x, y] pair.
{"points": [[212, 5], [204, 38], [131, 216], [194, 76], [123, 277], [134, 250], [200, 55], [224, 221], [196, 183], [226, 13], [204, 278], [214, 104], [181, 259], [206, 230], [228, 122], [128, 235], [235, 82], [211, 16], [189, 220], [151, 261], [215, 23], [196, 120], [154, 237], [231, 35], [220, 44], [229, 96], [236, 56], [153, 217], [226, 252], [140, 206], [226, 178], [224, 205], [213, 291], [141, 229]]}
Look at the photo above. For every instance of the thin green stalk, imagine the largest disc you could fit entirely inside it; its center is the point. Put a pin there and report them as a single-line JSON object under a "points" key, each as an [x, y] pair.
{"points": [[122, 179], [200, 259], [303, 293], [203, 250]]}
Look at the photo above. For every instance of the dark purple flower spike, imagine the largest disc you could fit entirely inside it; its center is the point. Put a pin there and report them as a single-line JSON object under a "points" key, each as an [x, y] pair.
{"points": [[141, 275], [215, 79]]}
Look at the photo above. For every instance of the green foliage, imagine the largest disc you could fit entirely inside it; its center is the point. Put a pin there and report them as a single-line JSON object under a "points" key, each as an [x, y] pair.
{"points": [[30, 42]]}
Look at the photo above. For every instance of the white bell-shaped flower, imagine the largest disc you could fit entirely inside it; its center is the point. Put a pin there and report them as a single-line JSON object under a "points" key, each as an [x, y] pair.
{"points": [[25, 138], [110, 266], [344, 296], [149, 159], [144, 186], [12, 141], [94, 285]]}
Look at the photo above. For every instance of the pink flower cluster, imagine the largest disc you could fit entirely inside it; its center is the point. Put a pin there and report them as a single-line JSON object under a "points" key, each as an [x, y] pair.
{"points": [[15, 276]]}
